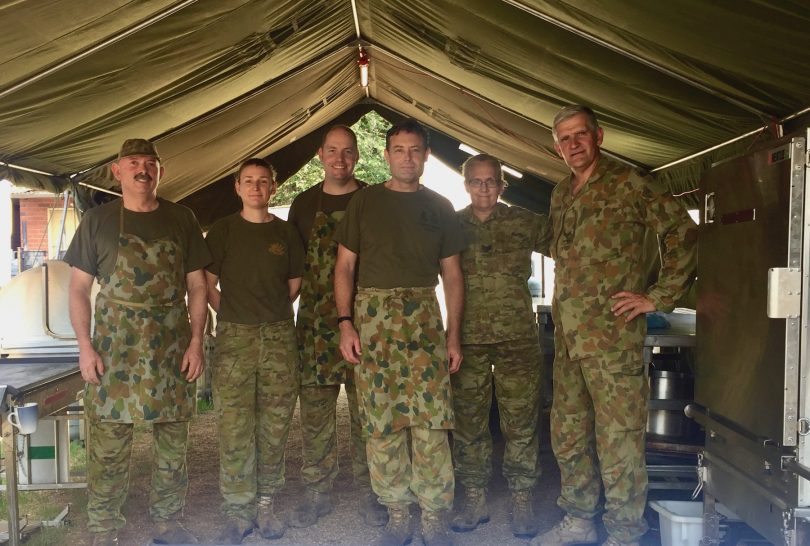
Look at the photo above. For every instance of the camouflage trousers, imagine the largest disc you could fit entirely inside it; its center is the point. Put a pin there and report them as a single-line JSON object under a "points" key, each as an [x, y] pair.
{"points": [[109, 447], [319, 437], [517, 372], [598, 421], [255, 383], [425, 474]]}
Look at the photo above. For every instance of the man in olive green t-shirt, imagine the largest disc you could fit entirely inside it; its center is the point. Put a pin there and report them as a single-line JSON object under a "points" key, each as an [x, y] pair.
{"points": [[401, 236], [144, 355], [316, 213]]}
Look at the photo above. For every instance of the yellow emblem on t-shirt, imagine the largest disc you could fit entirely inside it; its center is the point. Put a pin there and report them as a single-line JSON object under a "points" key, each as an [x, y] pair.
{"points": [[277, 249]]}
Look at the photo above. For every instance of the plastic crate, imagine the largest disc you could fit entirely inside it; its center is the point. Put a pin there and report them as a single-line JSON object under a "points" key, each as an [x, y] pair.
{"points": [[682, 521]]}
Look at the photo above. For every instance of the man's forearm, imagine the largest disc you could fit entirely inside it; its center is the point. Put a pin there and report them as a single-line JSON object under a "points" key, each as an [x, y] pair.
{"points": [[453, 282], [79, 307], [344, 281], [344, 292], [197, 308]]}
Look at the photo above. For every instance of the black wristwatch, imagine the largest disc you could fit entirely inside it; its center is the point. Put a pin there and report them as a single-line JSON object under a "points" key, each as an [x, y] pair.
{"points": [[345, 317]]}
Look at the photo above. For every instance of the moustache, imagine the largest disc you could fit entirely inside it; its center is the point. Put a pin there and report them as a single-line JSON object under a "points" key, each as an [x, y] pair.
{"points": [[143, 177]]}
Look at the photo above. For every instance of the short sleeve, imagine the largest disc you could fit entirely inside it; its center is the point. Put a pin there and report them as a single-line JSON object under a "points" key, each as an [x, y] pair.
{"points": [[215, 240], [348, 230], [197, 254], [454, 240], [82, 253], [296, 253]]}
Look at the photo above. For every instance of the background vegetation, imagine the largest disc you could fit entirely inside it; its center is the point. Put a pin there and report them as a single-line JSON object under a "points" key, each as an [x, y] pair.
{"points": [[370, 131]]}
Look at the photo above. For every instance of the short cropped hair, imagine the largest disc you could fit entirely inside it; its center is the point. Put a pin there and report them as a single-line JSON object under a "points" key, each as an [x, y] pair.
{"points": [[574, 110], [345, 128], [408, 125], [256, 162], [484, 158]]}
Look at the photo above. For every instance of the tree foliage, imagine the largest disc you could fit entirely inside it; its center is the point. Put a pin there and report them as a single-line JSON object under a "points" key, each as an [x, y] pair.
{"points": [[370, 131]]}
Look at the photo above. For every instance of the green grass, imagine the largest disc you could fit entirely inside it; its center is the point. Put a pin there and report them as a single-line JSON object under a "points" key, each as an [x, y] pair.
{"points": [[204, 404]]}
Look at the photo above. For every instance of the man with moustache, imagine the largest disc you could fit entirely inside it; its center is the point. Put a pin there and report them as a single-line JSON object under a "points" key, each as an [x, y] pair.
{"points": [[399, 236], [598, 217], [316, 213], [141, 363]]}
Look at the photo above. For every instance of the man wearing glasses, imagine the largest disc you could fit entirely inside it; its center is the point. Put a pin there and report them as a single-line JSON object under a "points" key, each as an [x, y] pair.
{"points": [[499, 340]]}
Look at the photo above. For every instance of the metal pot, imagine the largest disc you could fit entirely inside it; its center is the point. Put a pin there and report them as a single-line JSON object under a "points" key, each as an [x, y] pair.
{"points": [[671, 386], [670, 392]]}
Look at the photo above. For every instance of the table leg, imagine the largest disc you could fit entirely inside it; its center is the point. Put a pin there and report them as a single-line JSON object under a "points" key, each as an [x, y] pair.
{"points": [[10, 450]]}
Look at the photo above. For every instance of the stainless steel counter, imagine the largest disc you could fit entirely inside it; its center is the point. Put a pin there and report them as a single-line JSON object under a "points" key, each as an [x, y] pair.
{"points": [[50, 382]]}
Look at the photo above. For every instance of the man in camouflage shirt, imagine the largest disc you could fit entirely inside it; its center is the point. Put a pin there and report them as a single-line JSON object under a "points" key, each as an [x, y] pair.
{"points": [[143, 358], [399, 236], [499, 341], [598, 219]]}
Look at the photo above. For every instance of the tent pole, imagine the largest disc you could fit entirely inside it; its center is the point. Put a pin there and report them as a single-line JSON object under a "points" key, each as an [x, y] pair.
{"points": [[733, 140]]}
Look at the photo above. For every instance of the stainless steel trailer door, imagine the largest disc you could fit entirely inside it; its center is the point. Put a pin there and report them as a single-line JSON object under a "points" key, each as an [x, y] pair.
{"points": [[748, 374]]}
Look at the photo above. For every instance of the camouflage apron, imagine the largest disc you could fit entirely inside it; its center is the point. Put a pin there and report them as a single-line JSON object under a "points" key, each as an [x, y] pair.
{"points": [[141, 333], [317, 327], [403, 379]]}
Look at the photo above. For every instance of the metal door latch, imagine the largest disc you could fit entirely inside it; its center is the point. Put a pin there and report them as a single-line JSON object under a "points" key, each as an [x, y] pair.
{"points": [[803, 426], [784, 292]]}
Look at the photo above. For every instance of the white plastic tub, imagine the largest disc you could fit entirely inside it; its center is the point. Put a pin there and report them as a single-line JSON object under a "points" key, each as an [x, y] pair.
{"points": [[682, 521]]}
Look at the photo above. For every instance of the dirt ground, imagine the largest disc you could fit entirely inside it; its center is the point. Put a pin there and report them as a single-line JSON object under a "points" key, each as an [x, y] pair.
{"points": [[342, 527]]}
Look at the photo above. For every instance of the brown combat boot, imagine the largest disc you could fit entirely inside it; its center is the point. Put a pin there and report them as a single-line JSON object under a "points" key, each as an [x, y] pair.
{"points": [[270, 525], [314, 505], [571, 530], [374, 513], [105, 538], [473, 511], [434, 529], [397, 531], [235, 530], [524, 523], [171, 531]]}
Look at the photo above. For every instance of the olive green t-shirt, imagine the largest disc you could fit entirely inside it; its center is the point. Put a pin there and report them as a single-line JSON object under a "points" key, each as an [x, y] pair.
{"points": [[94, 248], [306, 204], [254, 261], [400, 237]]}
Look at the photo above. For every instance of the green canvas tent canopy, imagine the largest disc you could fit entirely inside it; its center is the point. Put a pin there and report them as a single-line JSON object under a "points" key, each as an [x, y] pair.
{"points": [[216, 81]]}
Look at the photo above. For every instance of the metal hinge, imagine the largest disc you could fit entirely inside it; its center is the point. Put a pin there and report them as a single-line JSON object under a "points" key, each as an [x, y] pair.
{"points": [[784, 292]]}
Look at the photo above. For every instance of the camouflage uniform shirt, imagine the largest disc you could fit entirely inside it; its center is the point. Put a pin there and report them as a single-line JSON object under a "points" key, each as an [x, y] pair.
{"points": [[497, 266], [596, 240]]}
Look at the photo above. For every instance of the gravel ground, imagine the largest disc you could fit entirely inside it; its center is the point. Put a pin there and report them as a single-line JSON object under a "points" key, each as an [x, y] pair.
{"points": [[343, 526]]}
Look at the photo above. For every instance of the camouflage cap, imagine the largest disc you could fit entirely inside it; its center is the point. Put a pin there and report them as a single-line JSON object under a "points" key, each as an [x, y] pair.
{"points": [[138, 146]]}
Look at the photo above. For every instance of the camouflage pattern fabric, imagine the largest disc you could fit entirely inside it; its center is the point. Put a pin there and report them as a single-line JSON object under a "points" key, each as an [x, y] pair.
{"points": [[403, 378], [597, 242], [497, 266], [598, 421], [256, 379], [517, 376], [397, 480], [323, 366], [108, 452], [317, 327], [319, 466], [599, 408], [141, 333]]}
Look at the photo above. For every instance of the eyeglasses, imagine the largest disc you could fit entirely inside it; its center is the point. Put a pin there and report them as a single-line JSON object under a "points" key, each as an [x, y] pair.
{"points": [[489, 183]]}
